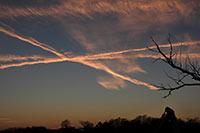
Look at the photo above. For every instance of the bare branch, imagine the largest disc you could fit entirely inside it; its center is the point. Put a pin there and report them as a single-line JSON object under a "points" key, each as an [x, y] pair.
{"points": [[171, 89], [189, 69]]}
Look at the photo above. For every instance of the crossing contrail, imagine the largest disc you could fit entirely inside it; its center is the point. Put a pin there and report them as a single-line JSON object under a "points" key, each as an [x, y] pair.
{"points": [[89, 60]]}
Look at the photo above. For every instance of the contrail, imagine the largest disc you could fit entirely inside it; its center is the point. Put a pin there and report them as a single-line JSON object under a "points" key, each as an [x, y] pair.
{"points": [[142, 49], [10, 58], [103, 67], [82, 59], [34, 42], [95, 65], [53, 60], [30, 40]]}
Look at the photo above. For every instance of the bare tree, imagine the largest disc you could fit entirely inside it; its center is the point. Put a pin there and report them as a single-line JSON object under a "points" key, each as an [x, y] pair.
{"points": [[188, 72]]}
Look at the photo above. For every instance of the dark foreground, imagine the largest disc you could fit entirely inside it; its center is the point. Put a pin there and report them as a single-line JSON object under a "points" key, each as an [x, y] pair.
{"points": [[168, 123]]}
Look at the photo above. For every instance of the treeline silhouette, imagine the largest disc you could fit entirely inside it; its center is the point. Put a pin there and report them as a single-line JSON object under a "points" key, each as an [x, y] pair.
{"points": [[168, 123]]}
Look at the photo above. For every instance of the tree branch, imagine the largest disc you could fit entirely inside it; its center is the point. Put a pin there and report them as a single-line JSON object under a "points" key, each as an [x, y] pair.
{"points": [[191, 69]]}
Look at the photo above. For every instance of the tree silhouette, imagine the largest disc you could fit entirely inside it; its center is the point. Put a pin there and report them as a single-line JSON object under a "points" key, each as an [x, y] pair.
{"points": [[65, 124], [86, 124], [187, 71], [168, 123]]}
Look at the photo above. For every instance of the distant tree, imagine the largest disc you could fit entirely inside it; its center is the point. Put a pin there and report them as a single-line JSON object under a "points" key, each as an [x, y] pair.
{"points": [[116, 123], [65, 124], [143, 119], [186, 70], [87, 124], [99, 124]]}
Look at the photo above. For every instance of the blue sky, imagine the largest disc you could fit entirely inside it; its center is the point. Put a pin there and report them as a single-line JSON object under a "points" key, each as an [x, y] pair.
{"points": [[87, 60]]}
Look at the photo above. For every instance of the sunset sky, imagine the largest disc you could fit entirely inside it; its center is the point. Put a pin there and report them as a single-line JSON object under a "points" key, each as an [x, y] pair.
{"points": [[88, 59]]}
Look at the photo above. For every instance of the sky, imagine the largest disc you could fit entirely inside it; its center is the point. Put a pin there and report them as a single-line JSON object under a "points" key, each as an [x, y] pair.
{"points": [[88, 59]]}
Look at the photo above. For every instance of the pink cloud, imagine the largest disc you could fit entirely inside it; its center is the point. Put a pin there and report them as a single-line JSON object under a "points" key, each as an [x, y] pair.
{"points": [[111, 83]]}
